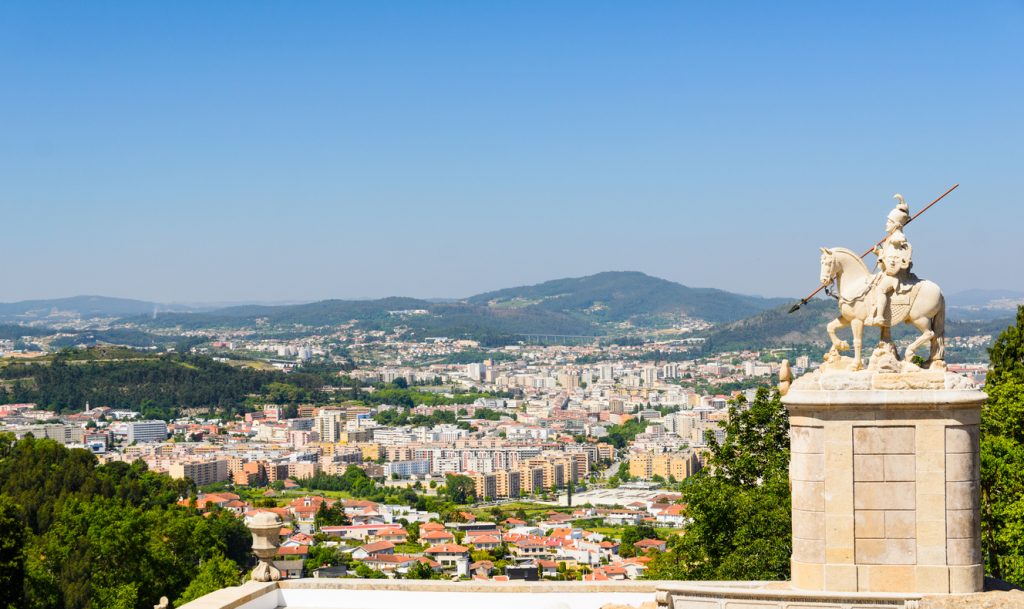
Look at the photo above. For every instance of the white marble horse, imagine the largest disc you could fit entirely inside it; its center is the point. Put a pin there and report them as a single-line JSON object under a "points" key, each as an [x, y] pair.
{"points": [[926, 308]]}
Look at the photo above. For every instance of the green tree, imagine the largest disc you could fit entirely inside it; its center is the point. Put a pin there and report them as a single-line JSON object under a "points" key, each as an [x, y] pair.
{"points": [[420, 570], [631, 535], [740, 506], [460, 489], [621, 435], [322, 555], [1002, 457], [117, 596], [365, 572], [12, 554], [215, 573], [330, 516]]}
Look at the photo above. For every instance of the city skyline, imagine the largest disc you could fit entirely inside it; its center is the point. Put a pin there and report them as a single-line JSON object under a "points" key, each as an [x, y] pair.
{"points": [[257, 152]]}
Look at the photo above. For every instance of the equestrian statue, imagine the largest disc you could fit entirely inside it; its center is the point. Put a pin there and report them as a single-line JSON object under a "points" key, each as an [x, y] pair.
{"points": [[890, 296]]}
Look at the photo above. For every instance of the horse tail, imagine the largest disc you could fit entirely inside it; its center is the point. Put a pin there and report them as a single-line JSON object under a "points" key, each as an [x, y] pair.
{"points": [[939, 322]]}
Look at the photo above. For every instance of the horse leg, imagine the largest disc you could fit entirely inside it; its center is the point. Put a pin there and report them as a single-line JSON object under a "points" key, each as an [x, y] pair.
{"points": [[938, 349], [885, 334], [857, 327], [835, 324], [924, 325], [938, 325]]}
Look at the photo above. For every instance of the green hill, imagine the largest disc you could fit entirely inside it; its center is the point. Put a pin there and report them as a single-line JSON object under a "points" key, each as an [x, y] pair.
{"points": [[584, 306], [626, 296], [775, 328]]}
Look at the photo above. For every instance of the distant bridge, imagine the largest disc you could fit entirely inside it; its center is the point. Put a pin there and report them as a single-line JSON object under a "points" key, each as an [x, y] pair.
{"points": [[540, 339]]}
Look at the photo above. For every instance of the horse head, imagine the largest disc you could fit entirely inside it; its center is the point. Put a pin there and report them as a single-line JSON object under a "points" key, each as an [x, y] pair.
{"points": [[830, 267]]}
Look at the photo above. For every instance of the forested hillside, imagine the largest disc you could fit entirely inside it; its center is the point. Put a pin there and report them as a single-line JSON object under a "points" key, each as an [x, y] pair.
{"points": [[77, 535], [158, 386], [582, 306], [621, 296]]}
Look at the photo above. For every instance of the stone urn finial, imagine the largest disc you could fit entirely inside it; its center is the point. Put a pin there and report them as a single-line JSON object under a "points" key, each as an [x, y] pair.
{"points": [[266, 537]]}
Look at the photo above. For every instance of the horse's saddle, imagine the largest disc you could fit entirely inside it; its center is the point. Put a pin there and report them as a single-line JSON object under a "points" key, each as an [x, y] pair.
{"points": [[899, 307], [900, 302]]}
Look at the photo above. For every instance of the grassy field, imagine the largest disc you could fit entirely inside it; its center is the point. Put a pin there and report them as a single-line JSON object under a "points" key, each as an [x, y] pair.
{"points": [[251, 363]]}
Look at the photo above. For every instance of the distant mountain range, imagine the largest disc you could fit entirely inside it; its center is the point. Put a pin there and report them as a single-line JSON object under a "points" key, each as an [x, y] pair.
{"points": [[596, 305], [82, 307], [583, 306], [983, 305]]}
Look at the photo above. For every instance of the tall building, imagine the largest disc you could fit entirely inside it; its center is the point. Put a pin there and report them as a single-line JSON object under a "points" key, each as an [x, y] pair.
{"points": [[201, 472], [679, 466], [508, 483], [330, 422], [649, 374], [485, 485], [147, 431], [476, 372]]}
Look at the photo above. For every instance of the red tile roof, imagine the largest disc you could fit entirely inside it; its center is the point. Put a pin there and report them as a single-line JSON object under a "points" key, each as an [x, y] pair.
{"points": [[447, 548], [380, 546]]}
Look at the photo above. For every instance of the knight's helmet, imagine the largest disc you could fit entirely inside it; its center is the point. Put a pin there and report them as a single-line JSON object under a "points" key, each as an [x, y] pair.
{"points": [[900, 215]]}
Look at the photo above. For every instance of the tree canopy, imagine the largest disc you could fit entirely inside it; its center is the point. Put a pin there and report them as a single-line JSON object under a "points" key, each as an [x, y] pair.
{"points": [[739, 506], [1002, 457], [102, 536]]}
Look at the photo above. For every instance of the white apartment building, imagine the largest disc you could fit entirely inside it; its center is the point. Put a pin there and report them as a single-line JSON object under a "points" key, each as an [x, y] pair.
{"points": [[405, 469], [146, 431], [329, 424]]}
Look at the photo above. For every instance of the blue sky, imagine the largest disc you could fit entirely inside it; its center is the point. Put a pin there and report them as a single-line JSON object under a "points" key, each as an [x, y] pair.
{"points": [[293, 151]]}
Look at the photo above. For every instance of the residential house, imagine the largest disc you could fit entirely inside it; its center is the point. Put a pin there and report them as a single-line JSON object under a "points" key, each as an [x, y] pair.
{"points": [[436, 537], [548, 568], [484, 542], [394, 535], [391, 563], [290, 569], [298, 552], [448, 554], [646, 545], [370, 549]]}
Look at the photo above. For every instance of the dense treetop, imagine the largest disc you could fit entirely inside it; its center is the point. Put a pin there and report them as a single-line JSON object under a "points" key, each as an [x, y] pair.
{"points": [[739, 505], [1002, 457], [78, 535]]}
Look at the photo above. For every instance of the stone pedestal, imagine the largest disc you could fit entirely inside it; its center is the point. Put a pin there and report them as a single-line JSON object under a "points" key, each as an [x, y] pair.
{"points": [[885, 483]]}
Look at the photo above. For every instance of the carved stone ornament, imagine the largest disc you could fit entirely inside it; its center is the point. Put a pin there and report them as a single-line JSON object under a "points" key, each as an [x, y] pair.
{"points": [[266, 537]]}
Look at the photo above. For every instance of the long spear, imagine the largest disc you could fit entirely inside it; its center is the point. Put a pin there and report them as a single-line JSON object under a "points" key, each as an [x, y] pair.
{"points": [[797, 306]]}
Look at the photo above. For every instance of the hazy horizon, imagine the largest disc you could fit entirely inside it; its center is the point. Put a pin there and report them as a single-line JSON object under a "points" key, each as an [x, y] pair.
{"points": [[263, 152], [230, 303]]}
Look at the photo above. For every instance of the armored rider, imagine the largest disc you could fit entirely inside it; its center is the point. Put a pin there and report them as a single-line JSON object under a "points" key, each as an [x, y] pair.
{"points": [[894, 257]]}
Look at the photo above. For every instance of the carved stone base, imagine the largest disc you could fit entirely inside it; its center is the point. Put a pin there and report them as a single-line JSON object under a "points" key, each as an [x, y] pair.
{"points": [[840, 377], [265, 572]]}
